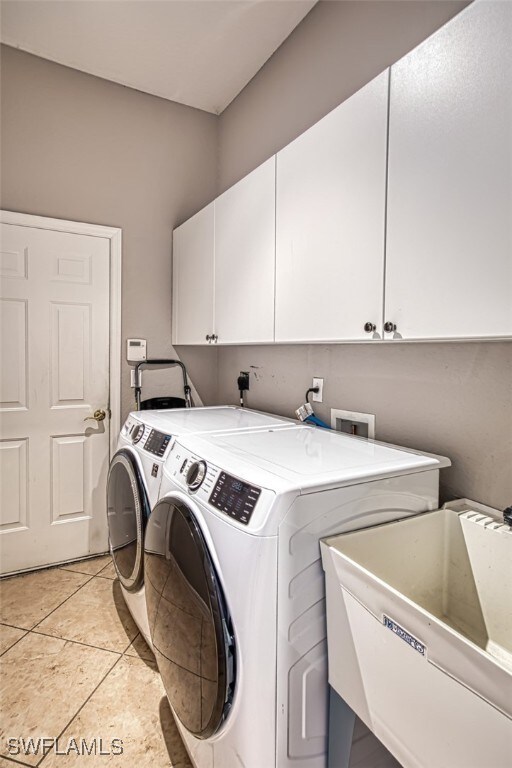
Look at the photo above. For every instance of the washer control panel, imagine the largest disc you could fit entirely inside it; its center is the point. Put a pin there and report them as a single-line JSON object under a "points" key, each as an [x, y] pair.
{"points": [[196, 473], [234, 497], [157, 442]]}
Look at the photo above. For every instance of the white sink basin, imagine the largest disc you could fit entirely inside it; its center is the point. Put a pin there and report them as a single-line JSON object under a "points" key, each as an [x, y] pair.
{"points": [[441, 581]]}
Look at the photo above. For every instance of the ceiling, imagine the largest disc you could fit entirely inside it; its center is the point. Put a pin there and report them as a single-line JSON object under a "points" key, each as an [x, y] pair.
{"points": [[197, 52]]}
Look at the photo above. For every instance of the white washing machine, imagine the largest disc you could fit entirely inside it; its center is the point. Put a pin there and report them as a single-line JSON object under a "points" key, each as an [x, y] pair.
{"points": [[134, 481], [235, 588]]}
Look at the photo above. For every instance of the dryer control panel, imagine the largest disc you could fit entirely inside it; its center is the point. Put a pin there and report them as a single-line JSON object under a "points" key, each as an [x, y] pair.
{"points": [[157, 442], [234, 497]]}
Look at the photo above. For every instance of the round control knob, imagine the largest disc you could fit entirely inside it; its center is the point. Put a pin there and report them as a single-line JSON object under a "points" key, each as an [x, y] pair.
{"points": [[137, 433], [196, 474], [370, 327], [389, 327]]}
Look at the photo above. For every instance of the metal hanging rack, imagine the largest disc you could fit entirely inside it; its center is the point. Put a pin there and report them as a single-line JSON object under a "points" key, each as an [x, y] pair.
{"points": [[144, 363]]}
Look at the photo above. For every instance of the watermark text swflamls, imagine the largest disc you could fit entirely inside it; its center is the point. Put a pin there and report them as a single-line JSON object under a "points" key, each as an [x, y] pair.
{"points": [[82, 747]]}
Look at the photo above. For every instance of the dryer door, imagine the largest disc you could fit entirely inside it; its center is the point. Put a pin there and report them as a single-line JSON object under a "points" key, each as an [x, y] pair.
{"points": [[127, 512], [190, 626]]}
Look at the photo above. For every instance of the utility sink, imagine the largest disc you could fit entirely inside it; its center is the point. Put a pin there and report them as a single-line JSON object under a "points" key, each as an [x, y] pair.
{"points": [[419, 615]]}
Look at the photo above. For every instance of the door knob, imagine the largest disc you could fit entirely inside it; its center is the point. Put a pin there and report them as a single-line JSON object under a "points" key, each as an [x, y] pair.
{"points": [[98, 415]]}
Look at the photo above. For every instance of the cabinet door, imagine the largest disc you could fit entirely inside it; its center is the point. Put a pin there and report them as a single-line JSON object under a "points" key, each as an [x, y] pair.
{"points": [[245, 258], [331, 185], [449, 234], [192, 310]]}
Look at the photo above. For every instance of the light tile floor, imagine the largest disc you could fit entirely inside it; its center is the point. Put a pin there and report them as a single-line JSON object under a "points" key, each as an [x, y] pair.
{"points": [[73, 666]]}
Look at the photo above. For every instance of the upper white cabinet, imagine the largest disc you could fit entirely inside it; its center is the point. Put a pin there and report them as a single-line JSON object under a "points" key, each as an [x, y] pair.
{"points": [[331, 188], [224, 264], [390, 218], [192, 309], [449, 231], [245, 258]]}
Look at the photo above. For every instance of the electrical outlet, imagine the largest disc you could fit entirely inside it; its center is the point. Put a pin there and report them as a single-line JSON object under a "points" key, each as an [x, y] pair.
{"points": [[353, 423], [318, 397]]}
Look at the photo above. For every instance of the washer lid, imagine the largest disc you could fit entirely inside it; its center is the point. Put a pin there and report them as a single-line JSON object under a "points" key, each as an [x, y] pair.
{"points": [[214, 419], [312, 457]]}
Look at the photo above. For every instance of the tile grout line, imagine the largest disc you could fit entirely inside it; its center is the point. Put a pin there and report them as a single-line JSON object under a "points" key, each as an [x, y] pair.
{"points": [[76, 642], [16, 762], [34, 630], [31, 629], [107, 565], [66, 568], [64, 601], [25, 633], [132, 642], [81, 707]]}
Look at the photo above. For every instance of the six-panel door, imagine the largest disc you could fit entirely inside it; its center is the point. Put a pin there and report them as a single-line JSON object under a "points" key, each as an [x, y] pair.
{"points": [[54, 374]]}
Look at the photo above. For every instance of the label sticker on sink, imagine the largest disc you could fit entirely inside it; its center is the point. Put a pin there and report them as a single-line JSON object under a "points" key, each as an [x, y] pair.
{"points": [[402, 633]]}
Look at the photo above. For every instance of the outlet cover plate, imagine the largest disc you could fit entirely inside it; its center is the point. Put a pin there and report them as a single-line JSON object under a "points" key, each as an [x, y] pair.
{"points": [[318, 397]]}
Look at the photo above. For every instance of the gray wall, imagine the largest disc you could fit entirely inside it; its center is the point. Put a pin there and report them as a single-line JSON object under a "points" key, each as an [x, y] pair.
{"points": [[453, 399], [333, 52], [77, 147], [81, 148]]}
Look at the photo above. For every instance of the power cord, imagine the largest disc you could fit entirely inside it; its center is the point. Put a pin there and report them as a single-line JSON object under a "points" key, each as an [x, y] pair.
{"points": [[305, 412], [308, 392], [243, 386]]}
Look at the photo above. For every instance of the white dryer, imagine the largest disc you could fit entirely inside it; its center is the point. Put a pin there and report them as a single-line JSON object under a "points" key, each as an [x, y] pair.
{"points": [[135, 475], [235, 588]]}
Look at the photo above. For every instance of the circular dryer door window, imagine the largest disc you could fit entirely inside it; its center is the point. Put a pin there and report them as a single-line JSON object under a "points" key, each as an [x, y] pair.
{"points": [[190, 625], [127, 512]]}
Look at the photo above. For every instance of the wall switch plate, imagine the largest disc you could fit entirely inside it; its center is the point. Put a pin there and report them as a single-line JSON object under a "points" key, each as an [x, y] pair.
{"points": [[353, 423], [318, 396]]}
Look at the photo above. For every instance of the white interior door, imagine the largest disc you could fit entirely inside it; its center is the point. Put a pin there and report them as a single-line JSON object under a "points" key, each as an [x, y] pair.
{"points": [[54, 314]]}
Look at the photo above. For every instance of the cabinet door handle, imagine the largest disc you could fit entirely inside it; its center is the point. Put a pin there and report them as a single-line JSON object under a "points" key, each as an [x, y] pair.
{"points": [[208, 338], [370, 327], [389, 327], [215, 338]]}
